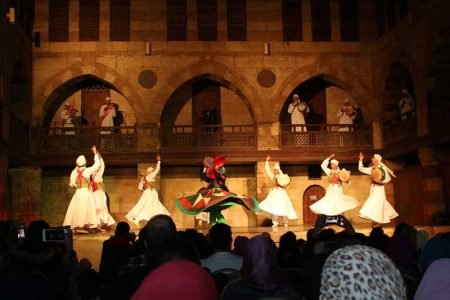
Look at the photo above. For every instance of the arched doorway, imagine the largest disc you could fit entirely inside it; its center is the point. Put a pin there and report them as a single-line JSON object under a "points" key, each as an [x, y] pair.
{"points": [[311, 195], [398, 86], [324, 98]]}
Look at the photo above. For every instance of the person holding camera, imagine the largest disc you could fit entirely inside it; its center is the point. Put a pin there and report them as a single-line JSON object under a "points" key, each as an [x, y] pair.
{"points": [[81, 212]]}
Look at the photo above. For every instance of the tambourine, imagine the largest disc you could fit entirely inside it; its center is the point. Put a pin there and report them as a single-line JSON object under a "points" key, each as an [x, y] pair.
{"points": [[349, 110], [344, 175], [378, 175], [283, 180]]}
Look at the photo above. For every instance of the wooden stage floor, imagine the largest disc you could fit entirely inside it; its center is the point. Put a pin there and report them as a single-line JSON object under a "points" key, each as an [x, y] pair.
{"points": [[90, 245]]}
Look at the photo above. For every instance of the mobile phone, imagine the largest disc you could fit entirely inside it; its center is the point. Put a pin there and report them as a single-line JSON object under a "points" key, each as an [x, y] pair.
{"points": [[21, 232], [57, 235]]}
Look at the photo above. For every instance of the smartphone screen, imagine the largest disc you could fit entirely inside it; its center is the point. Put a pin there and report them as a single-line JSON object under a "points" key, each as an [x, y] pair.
{"points": [[21, 232], [54, 235]]}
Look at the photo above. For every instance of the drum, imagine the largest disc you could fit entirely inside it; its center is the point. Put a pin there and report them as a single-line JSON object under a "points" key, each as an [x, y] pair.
{"points": [[378, 175], [344, 175], [283, 180]]}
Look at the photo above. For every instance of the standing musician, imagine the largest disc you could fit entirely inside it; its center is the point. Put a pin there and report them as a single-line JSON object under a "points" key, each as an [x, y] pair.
{"points": [[106, 114], [298, 109]]}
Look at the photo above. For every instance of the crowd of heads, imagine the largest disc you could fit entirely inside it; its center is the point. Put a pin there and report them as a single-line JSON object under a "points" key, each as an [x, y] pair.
{"points": [[164, 263]]}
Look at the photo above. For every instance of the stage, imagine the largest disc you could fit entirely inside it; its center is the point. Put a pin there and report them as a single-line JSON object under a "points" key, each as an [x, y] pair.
{"points": [[90, 245]]}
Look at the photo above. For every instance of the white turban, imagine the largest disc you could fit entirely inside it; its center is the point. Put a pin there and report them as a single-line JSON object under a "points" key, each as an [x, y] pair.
{"points": [[334, 161], [150, 169], [277, 167], [378, 157], [295, 95], [81, 161]]}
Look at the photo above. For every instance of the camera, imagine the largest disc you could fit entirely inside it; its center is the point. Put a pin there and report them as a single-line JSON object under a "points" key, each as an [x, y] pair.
{"points": [[21, 232], [57, 235]]}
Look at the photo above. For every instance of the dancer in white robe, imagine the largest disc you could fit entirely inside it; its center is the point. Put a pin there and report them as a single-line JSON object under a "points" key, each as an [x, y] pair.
{"points": [[81, 211], [98, 189], [149, 204], [298, 109], [335, 202], [376, 207], [277, 203]]}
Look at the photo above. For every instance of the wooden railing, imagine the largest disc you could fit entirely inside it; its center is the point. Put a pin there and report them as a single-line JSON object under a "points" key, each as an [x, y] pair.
{"points": [[214, 136], [325, 135], [70, 139], [400, 128]]}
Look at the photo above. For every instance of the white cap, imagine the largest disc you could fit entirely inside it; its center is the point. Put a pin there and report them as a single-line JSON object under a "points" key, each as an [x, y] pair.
{"points": [[378, 157], [81, 161], [346, 100], [295, 95], [67, 104], [150, 169], [334, 161], [277, 167], [108, 98]]}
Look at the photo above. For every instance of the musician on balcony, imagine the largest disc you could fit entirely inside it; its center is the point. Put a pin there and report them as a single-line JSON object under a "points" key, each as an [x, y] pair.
{"points": [[67, 114], [406, 104], [107, 114], [298, 110], [346, 115]]}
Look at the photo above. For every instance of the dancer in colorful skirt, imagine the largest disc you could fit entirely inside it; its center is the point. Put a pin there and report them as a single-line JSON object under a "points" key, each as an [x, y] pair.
{"points": [[214, 197], [277, 203], [149, 204], [332, 206]]}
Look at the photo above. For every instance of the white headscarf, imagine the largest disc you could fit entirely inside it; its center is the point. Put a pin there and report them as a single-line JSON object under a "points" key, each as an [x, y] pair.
{"points": [[81, 161]]}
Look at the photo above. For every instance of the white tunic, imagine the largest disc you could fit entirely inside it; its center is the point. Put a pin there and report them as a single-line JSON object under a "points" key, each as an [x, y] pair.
{"points": [[101, 206], [376, 207], [149, 204], [334, 202], [277, 202], [81, 210], [297, 115], [107, 113], [345, 119]]}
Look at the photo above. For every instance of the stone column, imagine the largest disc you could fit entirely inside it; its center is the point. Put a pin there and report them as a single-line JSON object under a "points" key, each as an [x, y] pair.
{"points": [[104, 20], [377, 134], [74, 21], [432, 182], [306, 17], [4, 206], [191, 20], [335, 21], [25, 193], [268, 135]]}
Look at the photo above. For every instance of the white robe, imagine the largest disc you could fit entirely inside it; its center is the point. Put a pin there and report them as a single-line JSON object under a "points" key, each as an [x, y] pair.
{"points": [[81, 210], [376, 207], [101, 206], [149, 204], [345, 119], [335, 202], [107, 117], [66, 119], [277, 202], [297, 115]]}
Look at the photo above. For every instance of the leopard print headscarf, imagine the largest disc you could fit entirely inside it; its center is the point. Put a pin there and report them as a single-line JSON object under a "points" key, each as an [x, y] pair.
{"points": [[361, 272]]}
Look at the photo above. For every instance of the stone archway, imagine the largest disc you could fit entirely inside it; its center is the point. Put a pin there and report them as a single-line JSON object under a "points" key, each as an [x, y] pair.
{"points": [[341, 78], [45, 97], [398, 80], [217, 72]]}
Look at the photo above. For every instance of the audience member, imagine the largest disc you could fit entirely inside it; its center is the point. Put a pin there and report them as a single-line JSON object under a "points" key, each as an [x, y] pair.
{"points": [[435, 284]]}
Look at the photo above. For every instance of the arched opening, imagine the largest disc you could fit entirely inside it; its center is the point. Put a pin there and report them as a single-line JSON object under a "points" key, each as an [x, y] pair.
{"points": [[398, 88], [324, 97], [312, 194], [204, 110], [86, 94]]}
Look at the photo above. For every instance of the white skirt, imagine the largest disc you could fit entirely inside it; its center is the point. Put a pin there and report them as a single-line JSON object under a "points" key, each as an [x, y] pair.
{"points": [[334, 202], [81, 210], [147, 207], [277, 203], [101, 208], [376, 207]]}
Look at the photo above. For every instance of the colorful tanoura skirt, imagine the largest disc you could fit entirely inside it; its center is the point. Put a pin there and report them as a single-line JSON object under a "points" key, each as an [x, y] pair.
{"points": [[214, 200]]}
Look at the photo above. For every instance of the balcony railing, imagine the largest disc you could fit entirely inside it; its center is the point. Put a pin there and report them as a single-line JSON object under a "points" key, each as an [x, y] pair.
{"points": [[70, 139], [214, 136], [325, 135]]}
